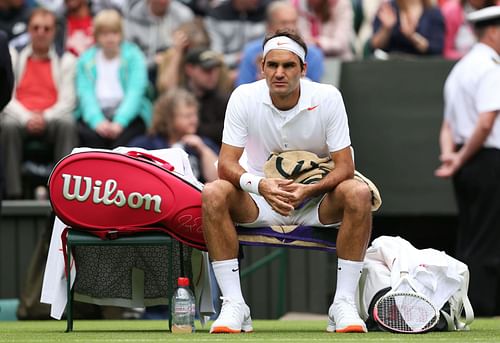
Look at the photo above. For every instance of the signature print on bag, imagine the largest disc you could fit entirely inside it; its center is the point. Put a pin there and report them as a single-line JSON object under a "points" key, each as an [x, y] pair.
{"points": [[107, 193]]}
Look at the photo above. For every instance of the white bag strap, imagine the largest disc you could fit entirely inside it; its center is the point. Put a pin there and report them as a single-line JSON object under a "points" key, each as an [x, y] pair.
{"points": [[467, 306], [459, 303]]}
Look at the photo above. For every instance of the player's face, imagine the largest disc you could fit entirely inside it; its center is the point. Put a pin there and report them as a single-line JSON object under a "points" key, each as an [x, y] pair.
{"points": [[282, 71]]}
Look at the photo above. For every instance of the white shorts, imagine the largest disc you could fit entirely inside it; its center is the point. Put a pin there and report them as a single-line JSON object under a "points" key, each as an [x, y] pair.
{"points": [[307, 214]]}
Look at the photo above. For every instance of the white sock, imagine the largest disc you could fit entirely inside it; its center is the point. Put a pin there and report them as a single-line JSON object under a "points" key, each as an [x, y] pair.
{"points": [[228, 278], [348, 274]]}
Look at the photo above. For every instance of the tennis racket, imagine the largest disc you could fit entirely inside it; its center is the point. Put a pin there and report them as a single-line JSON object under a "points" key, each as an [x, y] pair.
{"points": [[404, 309]]}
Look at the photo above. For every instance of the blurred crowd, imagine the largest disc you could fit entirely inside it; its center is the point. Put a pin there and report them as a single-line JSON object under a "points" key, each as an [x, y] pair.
{"points": [[159, 73]]}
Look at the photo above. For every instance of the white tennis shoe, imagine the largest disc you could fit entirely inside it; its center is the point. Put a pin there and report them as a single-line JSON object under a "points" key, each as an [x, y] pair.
{"points": [[343, 317], [234, 317]]}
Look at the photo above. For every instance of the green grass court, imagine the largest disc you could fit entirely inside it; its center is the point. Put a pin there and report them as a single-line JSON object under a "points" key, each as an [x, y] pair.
{"points": [[483, 330]]}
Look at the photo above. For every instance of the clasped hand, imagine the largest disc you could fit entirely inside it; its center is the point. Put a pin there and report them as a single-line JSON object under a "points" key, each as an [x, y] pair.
{"points": [[284, 196]]}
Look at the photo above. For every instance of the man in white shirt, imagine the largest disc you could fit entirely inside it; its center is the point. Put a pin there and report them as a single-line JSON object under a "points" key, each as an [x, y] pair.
{"points": [[470, 154], [281, 113]]}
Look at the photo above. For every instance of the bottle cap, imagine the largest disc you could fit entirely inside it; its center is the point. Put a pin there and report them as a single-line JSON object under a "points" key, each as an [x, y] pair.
{"points": [[183, 282]]}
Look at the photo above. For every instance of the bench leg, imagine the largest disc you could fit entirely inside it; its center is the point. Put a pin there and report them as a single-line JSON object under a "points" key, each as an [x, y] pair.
{"points": [[170, 258], [69, 291]]}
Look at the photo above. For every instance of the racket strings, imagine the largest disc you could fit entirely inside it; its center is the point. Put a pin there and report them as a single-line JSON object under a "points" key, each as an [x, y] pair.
{"points": [[406, 313]]}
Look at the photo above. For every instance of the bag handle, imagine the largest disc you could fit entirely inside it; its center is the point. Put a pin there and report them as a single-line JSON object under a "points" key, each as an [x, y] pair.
{"points": [[151, 158], [467, 307]]}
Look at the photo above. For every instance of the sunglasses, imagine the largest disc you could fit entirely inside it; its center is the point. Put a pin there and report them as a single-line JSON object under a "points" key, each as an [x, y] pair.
{"points": [[44, 28]]}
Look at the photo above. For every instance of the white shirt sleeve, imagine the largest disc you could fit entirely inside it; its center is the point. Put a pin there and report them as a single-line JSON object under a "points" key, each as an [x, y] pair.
{"points": [[337, 126], [235, 131], [488, 97]]}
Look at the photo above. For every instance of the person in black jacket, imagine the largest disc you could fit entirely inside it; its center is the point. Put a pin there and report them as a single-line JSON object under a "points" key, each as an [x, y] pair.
{"points": [[6, 85]]}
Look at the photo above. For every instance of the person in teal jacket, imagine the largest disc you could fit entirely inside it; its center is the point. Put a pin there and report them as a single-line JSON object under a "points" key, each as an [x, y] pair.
{"points": [[111, 85]]}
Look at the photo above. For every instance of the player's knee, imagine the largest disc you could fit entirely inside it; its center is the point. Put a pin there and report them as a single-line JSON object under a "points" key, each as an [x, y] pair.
{"points": [[214, 195], [357, 195]]}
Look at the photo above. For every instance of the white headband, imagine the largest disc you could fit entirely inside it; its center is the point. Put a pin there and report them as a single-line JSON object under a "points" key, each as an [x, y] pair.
{"points": [[284, 43]]}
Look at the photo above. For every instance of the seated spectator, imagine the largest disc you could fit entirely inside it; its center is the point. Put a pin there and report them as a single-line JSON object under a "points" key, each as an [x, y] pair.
{"points": [[234, 23], [77, 33], [14, 16], [329, 24], [43, 102], [409, 26], [175, 122], [365, 32], [56, 6], [121, 6], [151, 25], [111, 83], [199, 7], [171, 73], [171, 68], [460, 36], [280, 15], [6, 87], [203, 71]]}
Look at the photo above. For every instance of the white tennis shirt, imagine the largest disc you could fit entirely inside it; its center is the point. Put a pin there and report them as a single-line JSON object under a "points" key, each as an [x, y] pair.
{"points": [[473, 87], [318, 123]]}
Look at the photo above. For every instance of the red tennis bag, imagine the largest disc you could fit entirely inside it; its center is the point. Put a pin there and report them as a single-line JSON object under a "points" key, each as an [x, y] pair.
{"points": [[105, 192]]}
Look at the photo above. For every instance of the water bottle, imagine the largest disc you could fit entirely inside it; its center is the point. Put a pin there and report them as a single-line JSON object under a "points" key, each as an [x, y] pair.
{"points": [[183, 307]]}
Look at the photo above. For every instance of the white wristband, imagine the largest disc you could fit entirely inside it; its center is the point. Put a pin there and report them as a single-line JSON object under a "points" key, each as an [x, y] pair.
{"points": [[250, 183]]}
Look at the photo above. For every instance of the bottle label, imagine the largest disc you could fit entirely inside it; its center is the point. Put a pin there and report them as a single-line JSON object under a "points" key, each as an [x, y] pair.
{"points": [[182, 329], [183, 308]]}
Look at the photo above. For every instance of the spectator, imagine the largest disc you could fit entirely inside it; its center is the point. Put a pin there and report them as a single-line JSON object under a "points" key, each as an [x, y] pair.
{"points": [[199, 7], [77, 35], [280, 15], [365, 32], [151, 25], [121, 6], [460, 36], [203, 71], [14, 16], [111, 85], [175, 122], [409, 26], [329, 24], [234, 23], [6, 87], [56, 6], [43, 102], [6, 75], [171, 68]]}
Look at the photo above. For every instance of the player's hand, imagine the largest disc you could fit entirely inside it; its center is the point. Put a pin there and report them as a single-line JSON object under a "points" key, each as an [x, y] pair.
{"points": [[279, 199], [298, 193]]}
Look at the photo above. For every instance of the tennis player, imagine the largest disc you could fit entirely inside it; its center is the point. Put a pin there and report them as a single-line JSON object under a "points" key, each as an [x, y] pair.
{"points": [[285, 112]]}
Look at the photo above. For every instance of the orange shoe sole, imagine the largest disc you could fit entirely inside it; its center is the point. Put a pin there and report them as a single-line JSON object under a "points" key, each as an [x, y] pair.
{"points": [[352, 328], [225, 329]]}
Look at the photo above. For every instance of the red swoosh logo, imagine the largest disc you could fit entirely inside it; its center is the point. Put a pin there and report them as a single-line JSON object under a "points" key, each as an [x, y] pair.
{"points": [[281, 43], [312, 108]]}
